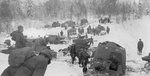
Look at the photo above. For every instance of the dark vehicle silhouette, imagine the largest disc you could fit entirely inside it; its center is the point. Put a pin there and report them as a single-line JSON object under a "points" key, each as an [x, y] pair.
{"points": [[109, 58]]}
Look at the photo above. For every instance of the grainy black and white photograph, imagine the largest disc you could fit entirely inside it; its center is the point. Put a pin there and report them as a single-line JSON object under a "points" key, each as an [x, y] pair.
{"points": [[74, 37]]}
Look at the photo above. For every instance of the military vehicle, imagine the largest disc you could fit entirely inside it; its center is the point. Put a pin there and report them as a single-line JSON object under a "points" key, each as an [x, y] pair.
{"points": [[72, 33], [109, 60], [68, 24], [82, 43], [56, 24], [83, 22], [55, 39]]}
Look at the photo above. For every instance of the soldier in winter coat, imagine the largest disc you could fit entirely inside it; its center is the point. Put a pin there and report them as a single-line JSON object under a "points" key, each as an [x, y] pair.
{"points": [[18, 37], [73, 52], [140, 46], [91, 41], [61, 33], [108, 30]]}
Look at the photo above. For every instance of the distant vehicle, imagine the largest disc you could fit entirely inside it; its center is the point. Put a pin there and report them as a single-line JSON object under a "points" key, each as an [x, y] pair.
{"points": [[68, 24], [82, 43], [56, 24], [110, 58], [104, 20], [55, 39], [83, 22], [47, 26], [99, 30], [72, 33]]}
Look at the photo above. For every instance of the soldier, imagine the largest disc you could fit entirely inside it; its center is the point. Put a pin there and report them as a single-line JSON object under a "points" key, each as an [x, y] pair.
{"points": [[89, 29], [83, 59], [108, 30], [18, 37], [91, 41], [73, 52], [61, 33], [140, 46]]}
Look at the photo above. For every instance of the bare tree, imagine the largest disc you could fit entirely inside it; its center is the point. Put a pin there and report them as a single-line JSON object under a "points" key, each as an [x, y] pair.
{"points": [[5, 15]]}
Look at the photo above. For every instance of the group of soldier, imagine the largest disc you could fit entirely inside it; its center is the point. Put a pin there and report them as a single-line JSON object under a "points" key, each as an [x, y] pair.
{"points": [[98, 30]]}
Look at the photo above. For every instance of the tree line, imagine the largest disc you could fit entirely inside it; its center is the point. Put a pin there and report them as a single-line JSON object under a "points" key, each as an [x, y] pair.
{"points": [[15, 9]]}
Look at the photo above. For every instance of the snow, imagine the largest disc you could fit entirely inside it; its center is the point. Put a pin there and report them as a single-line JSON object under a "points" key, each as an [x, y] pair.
{"points": [[59, 68], [35, 33], [125, 34], [3, 62]]}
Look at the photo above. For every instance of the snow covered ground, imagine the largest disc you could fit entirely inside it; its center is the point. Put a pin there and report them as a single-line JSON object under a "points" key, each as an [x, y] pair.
{"points": [[125, 34]]}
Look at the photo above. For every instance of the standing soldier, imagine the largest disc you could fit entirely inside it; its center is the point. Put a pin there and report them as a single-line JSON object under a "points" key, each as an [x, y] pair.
{"points": [[91, 42], [89, 29], [73, 52], [140, 46], [61, 33], [108, 30], [18, 37]]}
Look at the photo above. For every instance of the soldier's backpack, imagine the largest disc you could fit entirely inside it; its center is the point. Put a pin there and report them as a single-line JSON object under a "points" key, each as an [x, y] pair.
{"points": [[18, 56]]}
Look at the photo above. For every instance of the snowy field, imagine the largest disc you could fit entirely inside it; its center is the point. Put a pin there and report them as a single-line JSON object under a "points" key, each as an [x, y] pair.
{"points": [[125, 34]]}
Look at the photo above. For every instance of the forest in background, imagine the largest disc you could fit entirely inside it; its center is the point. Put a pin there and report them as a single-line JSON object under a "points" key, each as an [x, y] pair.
{"points": [[13, 10]]}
